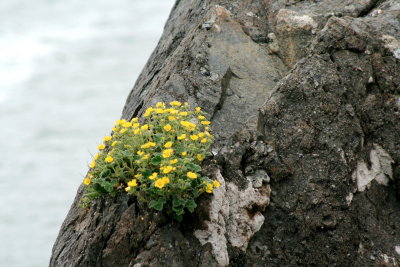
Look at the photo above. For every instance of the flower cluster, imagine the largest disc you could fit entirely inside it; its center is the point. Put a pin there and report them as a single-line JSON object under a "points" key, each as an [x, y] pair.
{"points": [[156, 159]]}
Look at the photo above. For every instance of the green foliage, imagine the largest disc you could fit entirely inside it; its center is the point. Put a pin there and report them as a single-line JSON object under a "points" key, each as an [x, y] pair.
{"points": [[157, 160]]}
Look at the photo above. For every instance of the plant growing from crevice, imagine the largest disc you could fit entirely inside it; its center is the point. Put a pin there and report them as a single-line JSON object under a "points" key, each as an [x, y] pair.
{"points": [[157, 159]]}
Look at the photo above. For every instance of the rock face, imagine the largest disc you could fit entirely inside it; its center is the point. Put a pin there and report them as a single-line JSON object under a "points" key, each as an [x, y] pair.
{"points": [[304, 97]]}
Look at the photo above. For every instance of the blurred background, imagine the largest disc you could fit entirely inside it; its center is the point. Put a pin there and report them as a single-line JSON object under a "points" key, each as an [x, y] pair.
{"points": [[66, 68]]}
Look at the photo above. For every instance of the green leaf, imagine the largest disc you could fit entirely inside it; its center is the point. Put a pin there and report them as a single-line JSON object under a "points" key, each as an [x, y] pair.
{"points": [[108, 186], [146, 173], [177, 202], [158, 137], [157, 204], [179, 150], [194, 167], [156, 160], [106, 173], [178, 210], [98, 188], [191, 205]]}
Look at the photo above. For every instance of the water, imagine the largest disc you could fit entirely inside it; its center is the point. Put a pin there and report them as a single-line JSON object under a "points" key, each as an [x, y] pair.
{"points": [[66, 68]]}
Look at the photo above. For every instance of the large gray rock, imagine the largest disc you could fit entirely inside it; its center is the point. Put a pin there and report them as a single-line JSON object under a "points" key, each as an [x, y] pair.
{"points": [[304, 97]]}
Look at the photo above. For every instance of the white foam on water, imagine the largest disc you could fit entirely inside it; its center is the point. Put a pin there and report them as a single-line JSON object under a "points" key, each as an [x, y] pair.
{"points": [[66, 68]]}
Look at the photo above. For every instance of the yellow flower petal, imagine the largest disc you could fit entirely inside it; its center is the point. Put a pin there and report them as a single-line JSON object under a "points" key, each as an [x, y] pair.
{"points": [[107, 138], [168, 145], [191, 175], [168, 127], [182, 136], [132, 183], [109, 159], [86, 181], [167, 153], [194, 137], [92, 164], [175, 103], [209, 188]]}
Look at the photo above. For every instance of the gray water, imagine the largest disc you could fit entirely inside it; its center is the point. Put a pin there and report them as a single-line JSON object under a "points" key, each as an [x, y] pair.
{"points": [[66, 68]]}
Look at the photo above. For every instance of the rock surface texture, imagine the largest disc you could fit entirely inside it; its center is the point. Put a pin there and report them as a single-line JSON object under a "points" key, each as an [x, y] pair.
{"points": [[304, 97]]}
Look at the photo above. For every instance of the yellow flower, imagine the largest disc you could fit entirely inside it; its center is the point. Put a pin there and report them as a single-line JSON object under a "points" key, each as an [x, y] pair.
{"points": [[140, 152], [171, 118], [168, 127], [191, 175], [201, 134], [145, 127], [167, 153], [183, 113], [96, 156], [175, 103], [135, 120], [118, 122], [145, 157], [92, 164], [109, 159], [216, 184], [114, 129], [165, 180], [132, 183], [173, 161], [153, 176], [160, 111], [189, 126], [114, 143], [148, 145], [204, 140], [127, 124], [201, 117], [136, 125], [139, 175], [160, 105], [209, 188], [205, 122], [194, 137], [199, 157], [168, 144], [123, 130], [182, 136], [148, 112], [101, 147], [159, 183], [184, 153], [198, 109], [107, 138], [86, 181], [127, 189], [167, 169], [136, 131], [173, 111]]}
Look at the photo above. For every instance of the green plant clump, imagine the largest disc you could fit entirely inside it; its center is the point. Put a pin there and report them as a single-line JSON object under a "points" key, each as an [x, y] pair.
{"points": [[158, 160]]}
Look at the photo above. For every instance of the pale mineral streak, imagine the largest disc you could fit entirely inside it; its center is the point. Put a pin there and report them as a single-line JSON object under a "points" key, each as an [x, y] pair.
{"points": [[380, 171], [232, 217]]}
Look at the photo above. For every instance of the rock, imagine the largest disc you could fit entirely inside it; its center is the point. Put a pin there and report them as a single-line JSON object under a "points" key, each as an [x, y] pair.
{"points": [[304, 98]]}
